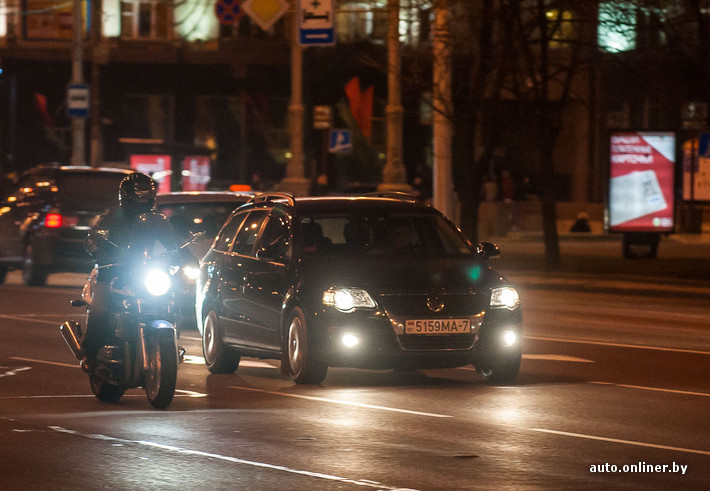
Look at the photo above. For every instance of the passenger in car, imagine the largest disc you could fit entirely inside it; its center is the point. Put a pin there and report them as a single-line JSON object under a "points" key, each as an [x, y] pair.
{"points": [[313, 239]]}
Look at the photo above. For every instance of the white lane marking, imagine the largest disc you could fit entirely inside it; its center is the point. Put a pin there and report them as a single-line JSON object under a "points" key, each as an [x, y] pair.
{"points": [[226, 458], [655, 389], [14, 371], [625, 442], [344, 403], [557, 358], [178, 393], [45, 362], [199, 360], [617, 345], [29, 318]]}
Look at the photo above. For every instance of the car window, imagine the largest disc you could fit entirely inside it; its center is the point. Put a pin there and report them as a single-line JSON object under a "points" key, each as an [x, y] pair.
{"points": [[248, 232], [226, 236], [275, 242], [382, 234], [90, 191], [205, 217]]}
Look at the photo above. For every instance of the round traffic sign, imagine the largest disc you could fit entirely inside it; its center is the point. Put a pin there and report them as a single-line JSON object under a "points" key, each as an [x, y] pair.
{"points": [[228, 11]]}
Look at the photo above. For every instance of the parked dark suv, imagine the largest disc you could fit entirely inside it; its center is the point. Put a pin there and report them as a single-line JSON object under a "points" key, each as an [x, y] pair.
{"points": [[46, 217], [369, 282]]}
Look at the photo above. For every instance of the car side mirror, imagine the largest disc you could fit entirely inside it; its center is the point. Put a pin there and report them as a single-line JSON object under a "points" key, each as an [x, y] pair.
{"points": [[487, 250]]}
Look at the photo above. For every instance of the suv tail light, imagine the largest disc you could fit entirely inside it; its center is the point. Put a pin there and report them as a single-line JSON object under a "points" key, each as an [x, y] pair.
{"points": [[53, 220]]}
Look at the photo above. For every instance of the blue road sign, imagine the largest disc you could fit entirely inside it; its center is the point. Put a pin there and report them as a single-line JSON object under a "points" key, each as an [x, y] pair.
{"points": [[78, 101], [316, 22], [340, 141]]}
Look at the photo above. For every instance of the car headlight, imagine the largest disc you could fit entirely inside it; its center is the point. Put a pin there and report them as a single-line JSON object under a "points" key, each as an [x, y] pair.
{"points": [[157, 282], [348, 299], [506, 296], [191, 272]]}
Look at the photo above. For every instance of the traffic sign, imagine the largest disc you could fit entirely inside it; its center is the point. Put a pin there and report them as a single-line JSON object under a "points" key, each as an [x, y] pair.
{"points": [[316, 22], [228, 12], [340, 141], [322, 117], [265, 12], [78, 101]]}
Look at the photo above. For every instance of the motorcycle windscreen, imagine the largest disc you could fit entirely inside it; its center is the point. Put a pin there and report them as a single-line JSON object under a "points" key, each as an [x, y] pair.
{"points": [[152, 235]]}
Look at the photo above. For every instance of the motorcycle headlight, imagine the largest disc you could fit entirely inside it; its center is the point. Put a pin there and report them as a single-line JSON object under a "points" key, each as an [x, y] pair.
{"points": [[157, 282], [347, 299], [506, 296], [191, 272]]}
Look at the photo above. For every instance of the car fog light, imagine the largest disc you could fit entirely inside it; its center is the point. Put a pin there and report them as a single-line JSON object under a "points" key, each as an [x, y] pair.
{"points": [[350, 340], [509, 338]]}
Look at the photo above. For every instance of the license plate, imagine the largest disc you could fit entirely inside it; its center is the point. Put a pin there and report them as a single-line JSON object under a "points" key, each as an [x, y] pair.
{"points": [[438, 326]]}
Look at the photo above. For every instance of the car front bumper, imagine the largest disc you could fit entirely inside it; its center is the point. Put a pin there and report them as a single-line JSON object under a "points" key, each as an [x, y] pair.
{"points": [[370, 340]]}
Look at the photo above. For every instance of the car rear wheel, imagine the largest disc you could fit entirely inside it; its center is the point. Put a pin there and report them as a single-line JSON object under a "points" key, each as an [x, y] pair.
{"points": [[3, 275], [218, 357], [33, 274], [305, 366], [501, 372]]}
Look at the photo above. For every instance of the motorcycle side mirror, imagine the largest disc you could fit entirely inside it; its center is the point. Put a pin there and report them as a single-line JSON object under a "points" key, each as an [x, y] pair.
{"points": [[487, 250], [194, 237]]}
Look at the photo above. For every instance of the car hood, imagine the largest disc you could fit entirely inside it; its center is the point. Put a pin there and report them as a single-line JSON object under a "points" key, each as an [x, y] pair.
{"points": [[401, 274]]}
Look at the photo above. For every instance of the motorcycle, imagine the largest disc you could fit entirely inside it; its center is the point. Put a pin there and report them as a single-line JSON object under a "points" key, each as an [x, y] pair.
{"points": [[143, 351]]}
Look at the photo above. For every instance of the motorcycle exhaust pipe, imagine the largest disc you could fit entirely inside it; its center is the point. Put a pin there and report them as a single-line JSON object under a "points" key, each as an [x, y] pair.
{"points": [[71, 332]]}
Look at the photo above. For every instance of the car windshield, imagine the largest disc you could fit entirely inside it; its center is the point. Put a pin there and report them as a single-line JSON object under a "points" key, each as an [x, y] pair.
{"points": [[90, 191], [424, 234], [198, 217]]}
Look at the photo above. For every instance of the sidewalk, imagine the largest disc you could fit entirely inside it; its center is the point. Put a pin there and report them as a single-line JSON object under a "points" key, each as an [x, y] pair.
{"points": [[594, 262]]}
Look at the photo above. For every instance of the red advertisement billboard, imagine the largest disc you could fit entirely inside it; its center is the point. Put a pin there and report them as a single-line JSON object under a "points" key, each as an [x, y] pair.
{"points": [[159, 167], [195, 173], [641, 180]]}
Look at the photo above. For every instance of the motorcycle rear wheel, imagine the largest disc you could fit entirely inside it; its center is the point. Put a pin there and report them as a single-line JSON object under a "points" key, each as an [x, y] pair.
{"points": [[161, 378], [104, 391]]}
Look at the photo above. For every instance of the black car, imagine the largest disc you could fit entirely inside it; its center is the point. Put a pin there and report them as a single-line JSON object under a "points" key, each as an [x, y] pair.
{"points": [[193, 212], [45, 219], [368, 282], [200, 211]]}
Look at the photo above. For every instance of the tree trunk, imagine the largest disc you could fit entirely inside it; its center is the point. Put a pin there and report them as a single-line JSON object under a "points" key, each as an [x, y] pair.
{"points": [[549, 211]]}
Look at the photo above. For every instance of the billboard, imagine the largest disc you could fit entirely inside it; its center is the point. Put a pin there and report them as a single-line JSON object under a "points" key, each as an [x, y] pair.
{"points": [[159, 167], [641, 181]]}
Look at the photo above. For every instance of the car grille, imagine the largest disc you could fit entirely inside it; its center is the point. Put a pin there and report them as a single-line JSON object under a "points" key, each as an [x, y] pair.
{"points": [[401, 307], [438, 343]]}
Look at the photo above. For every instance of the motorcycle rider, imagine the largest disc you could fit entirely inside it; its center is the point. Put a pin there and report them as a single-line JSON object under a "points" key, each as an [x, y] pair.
{"points": [[107, 243]]}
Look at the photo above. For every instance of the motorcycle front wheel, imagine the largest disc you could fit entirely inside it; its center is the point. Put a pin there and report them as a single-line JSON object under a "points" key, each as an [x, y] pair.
{"points": [[161, 378], [104, 391]]}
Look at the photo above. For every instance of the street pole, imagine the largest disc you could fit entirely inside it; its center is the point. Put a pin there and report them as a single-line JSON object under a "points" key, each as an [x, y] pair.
{"points": [[443, 190], [77, 124], [394, 174], [96, 143], [295, 181]]}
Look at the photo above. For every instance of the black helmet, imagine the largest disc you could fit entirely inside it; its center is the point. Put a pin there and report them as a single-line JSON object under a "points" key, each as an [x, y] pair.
{"points": [[137, 193]]}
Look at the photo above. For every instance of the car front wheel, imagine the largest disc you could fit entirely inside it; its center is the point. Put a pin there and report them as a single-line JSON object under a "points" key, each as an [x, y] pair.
{"points": [[503, 371], [305, 366], [218, 357]]}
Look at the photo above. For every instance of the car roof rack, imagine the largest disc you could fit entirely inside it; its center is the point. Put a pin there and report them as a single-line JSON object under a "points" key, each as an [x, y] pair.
{"points": [[273, 196], [392, 194]]}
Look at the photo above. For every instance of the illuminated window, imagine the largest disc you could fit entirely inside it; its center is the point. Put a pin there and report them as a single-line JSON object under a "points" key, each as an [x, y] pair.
{"points": [[561, 29], [144, 19], [617, 27], [362, 20]]}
